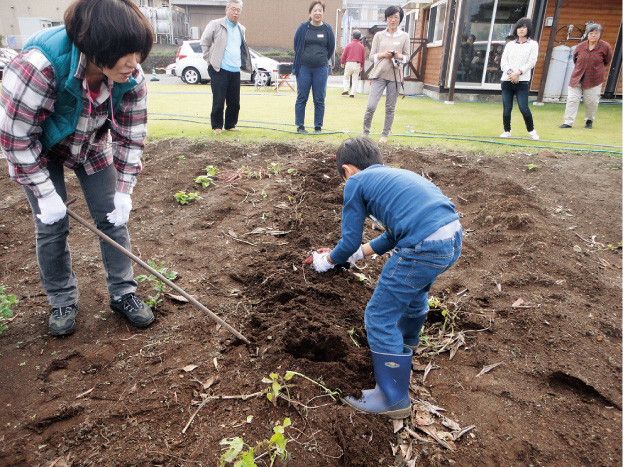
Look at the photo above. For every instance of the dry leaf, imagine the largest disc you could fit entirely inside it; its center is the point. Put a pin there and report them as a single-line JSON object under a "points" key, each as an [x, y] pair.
{"points": [[232, 233], [215, 363], [424, 418], [518, 303], [189, 368], [177, 298], [398, 424], [457, 435], [488, 368], [210, 382]]}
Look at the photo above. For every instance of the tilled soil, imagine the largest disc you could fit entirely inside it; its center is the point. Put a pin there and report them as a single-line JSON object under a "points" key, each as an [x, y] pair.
{"points": [[537, 292]]}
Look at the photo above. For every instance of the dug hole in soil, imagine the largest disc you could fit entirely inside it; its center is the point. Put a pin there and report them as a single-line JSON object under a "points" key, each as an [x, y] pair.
{"points": [[526, 371]]}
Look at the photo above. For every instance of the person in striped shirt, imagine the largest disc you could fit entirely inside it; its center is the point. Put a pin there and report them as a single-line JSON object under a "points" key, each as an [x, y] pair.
{"points": [[76, 98]]}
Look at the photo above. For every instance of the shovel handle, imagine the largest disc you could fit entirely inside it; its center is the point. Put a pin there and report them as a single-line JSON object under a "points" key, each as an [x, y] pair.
{"points": [[146, 266]]}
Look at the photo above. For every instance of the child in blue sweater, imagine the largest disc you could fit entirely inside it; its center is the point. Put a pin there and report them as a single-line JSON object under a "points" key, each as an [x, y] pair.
{"points": [[424, 233]]}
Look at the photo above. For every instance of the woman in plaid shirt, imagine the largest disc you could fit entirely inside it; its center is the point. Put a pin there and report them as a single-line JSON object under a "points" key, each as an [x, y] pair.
{"points": [[591, 59], [76, 97]]}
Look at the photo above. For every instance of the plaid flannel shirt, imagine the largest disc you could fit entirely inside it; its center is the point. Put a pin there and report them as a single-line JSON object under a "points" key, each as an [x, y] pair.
{"points": [[590, 65], [27, 99]]}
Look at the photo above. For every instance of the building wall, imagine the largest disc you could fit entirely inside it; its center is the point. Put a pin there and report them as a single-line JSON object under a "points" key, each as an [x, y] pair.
{"points": [[605, 12], [10, 10], [272, 23]]}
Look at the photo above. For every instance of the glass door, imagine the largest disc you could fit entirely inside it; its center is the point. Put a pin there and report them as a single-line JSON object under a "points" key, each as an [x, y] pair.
{"points": [[486, 25]]}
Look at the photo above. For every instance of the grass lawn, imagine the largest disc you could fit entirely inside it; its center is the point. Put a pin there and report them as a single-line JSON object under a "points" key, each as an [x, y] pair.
{"points": [[182, 110]]}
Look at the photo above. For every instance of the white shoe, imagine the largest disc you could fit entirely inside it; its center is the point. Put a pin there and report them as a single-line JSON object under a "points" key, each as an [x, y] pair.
{"points": [[506, 134], [383, 139], [533, 134]]}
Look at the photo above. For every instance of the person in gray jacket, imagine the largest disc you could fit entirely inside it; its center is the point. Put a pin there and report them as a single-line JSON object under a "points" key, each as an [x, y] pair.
{"points": [[226, 52]]}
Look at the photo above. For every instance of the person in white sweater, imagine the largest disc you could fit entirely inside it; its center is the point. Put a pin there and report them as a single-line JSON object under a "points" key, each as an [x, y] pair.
{"points": [[517, 62]]}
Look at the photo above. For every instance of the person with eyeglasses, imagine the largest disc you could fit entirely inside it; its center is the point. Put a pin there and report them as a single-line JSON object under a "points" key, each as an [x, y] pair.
{"points": [[226, 51], [76, 98]]}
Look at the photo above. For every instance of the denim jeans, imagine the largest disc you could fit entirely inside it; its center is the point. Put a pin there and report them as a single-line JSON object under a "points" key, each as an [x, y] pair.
{"points": [[402, 291], [522, 91], [316, 80], [225, 90], [53, 256]]}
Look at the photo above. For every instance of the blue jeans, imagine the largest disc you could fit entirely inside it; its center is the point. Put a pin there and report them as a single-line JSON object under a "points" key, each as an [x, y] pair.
{"points": [[316, 79], [522, 91], [402, 291], [53, 256]]}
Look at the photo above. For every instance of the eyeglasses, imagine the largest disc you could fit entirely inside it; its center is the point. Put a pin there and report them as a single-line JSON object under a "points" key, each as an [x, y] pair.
{"points": [[234, 10]]}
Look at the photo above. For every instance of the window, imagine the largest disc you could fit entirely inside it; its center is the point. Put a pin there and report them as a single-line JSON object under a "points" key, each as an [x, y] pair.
{"points": [[436, 23]]}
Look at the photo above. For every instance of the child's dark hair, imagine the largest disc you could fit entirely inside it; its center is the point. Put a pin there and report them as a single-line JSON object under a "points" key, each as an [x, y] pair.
{"points": [[527, 22], [362, 152], [106, 30], [392, 10]]}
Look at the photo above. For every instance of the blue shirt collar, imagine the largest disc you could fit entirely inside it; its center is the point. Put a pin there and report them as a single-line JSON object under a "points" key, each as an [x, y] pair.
{"points": [[229, 23]]}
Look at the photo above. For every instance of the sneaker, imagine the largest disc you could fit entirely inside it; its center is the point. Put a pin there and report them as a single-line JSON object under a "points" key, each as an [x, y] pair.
{"points": [[383, 139], [136, 312], [352, 95], [302, 130], [317, 130], [506, 134], [533, 135], [564, 125], [63, 320], [589, 124], [345, 93]]}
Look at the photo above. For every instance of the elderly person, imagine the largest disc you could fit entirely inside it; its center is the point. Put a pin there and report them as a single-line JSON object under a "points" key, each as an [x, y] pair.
{"points": [[76, 97], [591, 58], [390, 49], [353, 60], [314, 44], [226, 52]]}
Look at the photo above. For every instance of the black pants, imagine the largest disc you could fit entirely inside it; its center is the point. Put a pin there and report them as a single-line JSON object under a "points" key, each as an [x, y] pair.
{"points": [[522, 91], [225, 90]]}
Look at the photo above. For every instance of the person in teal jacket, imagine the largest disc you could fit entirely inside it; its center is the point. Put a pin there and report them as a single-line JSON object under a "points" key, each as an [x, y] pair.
{"points": [[76, 98], [423, 232]]}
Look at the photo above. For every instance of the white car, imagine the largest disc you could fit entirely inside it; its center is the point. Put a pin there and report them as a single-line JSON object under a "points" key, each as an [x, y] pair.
{"points": [[193, 69]]}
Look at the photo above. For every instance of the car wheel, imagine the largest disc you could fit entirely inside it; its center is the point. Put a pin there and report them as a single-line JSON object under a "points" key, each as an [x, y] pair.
{"points": [[191, 75]]}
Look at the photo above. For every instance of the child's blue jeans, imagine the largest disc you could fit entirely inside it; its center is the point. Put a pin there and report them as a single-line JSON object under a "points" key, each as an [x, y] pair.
{"points": [[402, 290]]}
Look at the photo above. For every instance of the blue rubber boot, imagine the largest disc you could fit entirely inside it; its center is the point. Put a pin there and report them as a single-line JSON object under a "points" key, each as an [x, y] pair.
{"points": [[410, 329], [390, 397]]}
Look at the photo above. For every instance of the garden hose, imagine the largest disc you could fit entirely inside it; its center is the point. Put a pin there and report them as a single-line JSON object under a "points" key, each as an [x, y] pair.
{"points": [[411, 134]]}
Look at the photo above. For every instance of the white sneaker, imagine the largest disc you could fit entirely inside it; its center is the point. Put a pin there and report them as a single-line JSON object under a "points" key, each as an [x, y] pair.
{"points": [[533, 134], [506, 134]]}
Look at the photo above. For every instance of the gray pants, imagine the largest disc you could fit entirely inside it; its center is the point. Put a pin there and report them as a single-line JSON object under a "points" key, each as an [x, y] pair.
{"points": [[376, 91], [53, 256]]}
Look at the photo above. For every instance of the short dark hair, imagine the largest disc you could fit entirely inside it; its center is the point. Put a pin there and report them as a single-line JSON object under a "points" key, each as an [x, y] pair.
{"points": [[392, 10], [362, 152], [527, 22], [106, 30], [595, 26], [316, 2], [357, 34]]}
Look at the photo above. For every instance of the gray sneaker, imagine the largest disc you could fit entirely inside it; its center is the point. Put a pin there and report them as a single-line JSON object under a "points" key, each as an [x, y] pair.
{"points": [[63, 320], [135, 311]]}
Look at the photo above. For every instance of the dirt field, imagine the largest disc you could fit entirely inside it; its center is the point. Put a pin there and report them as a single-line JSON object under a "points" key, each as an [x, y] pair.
{"points": [[537, 292]]}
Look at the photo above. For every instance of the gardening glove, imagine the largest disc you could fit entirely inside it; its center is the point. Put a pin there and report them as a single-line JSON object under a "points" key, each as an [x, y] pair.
{"points": [[52, 208], [321, 263], [356, 256], [121, 213]]}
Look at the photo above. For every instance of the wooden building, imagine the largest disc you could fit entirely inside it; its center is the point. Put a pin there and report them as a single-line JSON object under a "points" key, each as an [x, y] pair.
{"points": [[457, 44]]}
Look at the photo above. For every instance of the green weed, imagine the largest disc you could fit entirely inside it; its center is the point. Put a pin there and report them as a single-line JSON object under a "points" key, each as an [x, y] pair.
{"points": [[184, 198], [157, 285], [6, 314], [275, 448]]}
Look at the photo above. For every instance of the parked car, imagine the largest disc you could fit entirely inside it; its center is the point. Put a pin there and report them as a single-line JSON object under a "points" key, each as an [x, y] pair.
{"points": [[6, 55], [193, 69]]}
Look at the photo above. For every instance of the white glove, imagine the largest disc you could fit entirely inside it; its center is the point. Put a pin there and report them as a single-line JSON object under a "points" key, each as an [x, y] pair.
{"points": [[321, 262], [123, 206], [52, 208], [356, 256]]}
